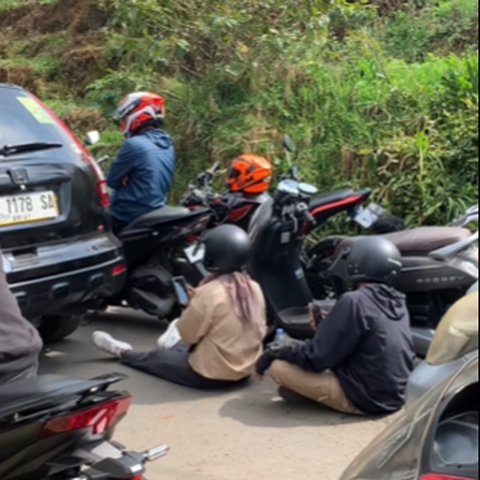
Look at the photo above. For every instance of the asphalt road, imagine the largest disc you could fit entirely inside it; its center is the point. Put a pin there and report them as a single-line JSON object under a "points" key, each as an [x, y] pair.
{"points": [[237, 435]]}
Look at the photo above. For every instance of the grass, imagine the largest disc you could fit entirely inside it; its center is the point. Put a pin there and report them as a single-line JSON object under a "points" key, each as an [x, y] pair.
{"points": [[387, 101]]}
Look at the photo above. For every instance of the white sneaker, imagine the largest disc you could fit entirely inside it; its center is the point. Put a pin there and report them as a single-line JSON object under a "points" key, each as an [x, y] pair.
{"points": [[105, 342]]}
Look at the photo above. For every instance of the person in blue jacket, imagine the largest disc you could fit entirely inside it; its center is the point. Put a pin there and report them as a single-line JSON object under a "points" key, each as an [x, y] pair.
{"points": [[141, 175]]}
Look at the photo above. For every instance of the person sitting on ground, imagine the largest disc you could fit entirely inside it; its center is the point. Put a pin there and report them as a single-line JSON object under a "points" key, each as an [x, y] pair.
{"points": [[361, 356], [20, 343], [141, 175], [221, 330]]}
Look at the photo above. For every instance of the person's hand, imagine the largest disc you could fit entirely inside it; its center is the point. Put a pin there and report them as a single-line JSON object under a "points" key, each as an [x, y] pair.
{"points": [[191, 292], [264, 362], [315, 316], [124, 182]]}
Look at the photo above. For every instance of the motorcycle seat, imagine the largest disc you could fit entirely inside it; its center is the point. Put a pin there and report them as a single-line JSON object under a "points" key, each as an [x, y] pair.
{"points": [[427, 239], [159, 216], [330, 197], [41, 392], [421, 240]]}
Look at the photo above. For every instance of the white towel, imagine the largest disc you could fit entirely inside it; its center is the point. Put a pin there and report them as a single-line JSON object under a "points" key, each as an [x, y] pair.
{"points": [[170, 337]]}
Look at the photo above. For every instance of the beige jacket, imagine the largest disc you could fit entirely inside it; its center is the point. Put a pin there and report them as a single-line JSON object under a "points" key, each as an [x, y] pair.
{"points": [[225, 349]]}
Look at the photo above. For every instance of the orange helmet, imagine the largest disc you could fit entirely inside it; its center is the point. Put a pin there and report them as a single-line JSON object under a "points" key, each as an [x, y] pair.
{"points": [[250, 174]]}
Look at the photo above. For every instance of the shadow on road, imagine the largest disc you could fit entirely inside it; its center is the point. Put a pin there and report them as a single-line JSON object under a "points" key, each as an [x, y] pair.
{"points": [[260, 406]]}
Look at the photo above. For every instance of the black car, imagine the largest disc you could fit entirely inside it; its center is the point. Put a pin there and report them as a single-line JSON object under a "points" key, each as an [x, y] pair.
{"points": [[55, 236], [435, 438]]}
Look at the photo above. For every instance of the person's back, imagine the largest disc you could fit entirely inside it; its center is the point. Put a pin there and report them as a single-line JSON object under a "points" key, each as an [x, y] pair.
{"points": [[227, 348], [142, 174], [20, 343], [375, 376]]}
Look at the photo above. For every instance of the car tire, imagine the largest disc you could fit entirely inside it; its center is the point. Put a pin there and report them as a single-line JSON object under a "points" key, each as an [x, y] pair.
{"points": [[56, 327]]}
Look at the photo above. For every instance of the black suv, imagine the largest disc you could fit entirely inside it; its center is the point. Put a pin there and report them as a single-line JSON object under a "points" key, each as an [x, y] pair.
{"points": [[58, 249]]}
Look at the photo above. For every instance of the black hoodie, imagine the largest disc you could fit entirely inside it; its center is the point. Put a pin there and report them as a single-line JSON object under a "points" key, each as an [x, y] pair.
{"points": [[366, 341]]}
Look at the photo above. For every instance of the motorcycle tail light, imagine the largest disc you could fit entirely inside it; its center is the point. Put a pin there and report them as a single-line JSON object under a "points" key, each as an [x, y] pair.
{"points": [[97, 418], [436, 476]]}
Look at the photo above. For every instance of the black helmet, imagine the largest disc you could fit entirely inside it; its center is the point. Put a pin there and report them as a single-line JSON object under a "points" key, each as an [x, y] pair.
{"points": [[227, 249], [373, 259]]}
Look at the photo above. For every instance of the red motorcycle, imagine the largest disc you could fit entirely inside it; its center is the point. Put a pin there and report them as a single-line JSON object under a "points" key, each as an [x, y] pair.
{"points": [[236, 206]]}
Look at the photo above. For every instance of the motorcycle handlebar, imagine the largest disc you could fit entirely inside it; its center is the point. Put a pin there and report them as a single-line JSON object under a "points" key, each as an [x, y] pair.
{"points": [[207, 176], [309, 218], [302, 210], [214, 169]]}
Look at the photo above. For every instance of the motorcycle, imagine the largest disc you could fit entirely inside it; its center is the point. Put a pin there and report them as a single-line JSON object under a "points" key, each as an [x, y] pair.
{"points": [[60, 428], [239, 209], [230, 207], [158, 248], [439, 265], [277, 233], [165, 244]]}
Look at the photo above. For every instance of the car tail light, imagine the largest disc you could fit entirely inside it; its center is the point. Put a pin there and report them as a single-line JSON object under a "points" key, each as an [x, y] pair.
{"points": [[98, 418], [436, 476], [101, 184]]}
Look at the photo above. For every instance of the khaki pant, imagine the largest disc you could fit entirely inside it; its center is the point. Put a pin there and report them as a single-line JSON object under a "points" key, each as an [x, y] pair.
{"points": [[322, 387]]}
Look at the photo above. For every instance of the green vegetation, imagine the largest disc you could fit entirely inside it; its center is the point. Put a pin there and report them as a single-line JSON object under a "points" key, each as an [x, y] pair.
{"points": [[381, 95]]}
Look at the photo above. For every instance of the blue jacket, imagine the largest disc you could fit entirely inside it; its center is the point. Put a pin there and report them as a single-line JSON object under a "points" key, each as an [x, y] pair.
{"points": [[147, 161]]}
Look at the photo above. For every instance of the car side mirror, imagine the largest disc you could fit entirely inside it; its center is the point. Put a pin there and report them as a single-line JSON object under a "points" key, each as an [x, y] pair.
{"points": [[92, 137]]}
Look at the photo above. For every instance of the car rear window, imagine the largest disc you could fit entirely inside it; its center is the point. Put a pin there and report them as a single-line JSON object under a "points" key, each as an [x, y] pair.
{"points": [[24, 120]]}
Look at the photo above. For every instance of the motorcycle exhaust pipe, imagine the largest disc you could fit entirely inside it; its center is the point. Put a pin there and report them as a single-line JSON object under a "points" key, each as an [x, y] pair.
{"points": [[155, 453]]}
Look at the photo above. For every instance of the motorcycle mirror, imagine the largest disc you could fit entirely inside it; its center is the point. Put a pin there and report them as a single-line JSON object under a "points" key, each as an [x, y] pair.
{"points": [[289, 144], [92, 137]]}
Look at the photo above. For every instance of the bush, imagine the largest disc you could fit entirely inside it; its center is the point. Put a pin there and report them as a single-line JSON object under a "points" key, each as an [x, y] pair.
{"points": [[380, 94]]}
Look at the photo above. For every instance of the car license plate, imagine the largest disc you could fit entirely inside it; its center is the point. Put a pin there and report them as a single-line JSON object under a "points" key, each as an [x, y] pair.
{"points": [[28, 208]]}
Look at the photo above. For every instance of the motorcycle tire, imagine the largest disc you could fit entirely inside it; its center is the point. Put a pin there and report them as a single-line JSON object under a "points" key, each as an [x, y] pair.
{"points": [[54, 328]]}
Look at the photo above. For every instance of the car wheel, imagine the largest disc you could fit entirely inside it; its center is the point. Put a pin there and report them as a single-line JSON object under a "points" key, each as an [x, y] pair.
{"points": [[54, 328]]}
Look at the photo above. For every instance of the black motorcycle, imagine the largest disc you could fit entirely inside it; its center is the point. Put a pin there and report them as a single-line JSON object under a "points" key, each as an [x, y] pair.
{"points": [[439, 265], [277, 232], [438, 269], [60, 428], [157, 248]]}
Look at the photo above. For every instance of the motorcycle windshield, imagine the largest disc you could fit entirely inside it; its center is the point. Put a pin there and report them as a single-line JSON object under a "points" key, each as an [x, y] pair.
{"points": [[457, 333]]}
